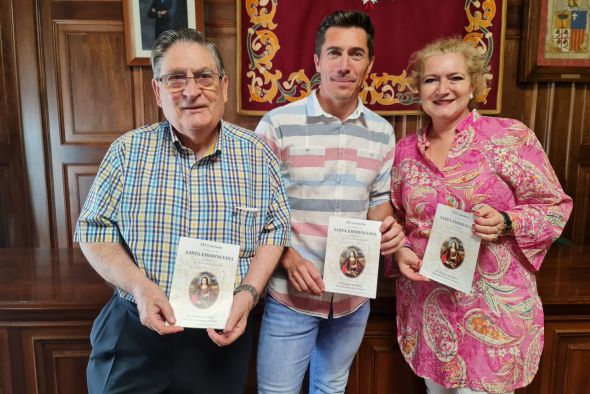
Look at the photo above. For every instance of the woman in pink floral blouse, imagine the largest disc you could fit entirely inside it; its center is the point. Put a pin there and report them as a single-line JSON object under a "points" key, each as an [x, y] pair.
{"points": [[491, 339]]}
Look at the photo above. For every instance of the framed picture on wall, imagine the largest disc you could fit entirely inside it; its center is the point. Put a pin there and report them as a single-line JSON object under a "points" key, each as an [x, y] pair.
{"points": [[555, 42], [145, 20]]}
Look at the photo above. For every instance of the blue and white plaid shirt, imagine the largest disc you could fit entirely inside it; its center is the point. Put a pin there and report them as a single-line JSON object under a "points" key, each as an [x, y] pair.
{"points": [[150, 191]]}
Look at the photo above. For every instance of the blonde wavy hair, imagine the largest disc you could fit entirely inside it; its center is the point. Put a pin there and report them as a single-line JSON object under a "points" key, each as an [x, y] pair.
{"points": [[479, 74]]}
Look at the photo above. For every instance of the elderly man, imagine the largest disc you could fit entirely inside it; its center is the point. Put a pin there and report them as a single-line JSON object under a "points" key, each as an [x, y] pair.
{"points": [[337, 157], [196, 176]]}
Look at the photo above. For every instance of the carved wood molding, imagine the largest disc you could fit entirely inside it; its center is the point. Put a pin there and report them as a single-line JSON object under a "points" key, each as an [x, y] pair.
{"points": [[570, 352], [79, 178], [4, 94], [55, 353], [581, 217], [95, 87], [6, 369]]}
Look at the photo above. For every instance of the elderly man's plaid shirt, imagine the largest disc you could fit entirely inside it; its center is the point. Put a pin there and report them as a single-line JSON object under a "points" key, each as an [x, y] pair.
{"points": [[150, 191]]}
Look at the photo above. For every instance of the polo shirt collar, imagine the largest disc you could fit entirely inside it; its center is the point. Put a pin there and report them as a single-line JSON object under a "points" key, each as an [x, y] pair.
{"points": [[314, 109]]}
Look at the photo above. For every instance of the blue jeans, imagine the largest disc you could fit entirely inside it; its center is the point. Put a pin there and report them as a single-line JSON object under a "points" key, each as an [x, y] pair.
{"points": [[290, 341]]}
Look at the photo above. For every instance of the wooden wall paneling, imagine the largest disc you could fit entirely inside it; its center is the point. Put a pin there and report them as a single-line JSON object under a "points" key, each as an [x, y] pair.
{"points": [[580, 222], [567, 350], [15, 218], [381, 368], [87, 9], [405, 124], [579, 162], [543, 112], [79, 179], [16, 357], [585, 108], [146, 108], [220, 13], [513, 102], [400, 126], [580, 122], [32, 116], [220, 27], [559, 127], [529, 112], [376, 358], [523, 102], [5, 365], [68, 363], [577, 354], [91, 95], [514, 16], [7, 219], [95, 96], [27, 350], [152, 113], [61, 362], [7, 57], [138, 95], [52, 355]]}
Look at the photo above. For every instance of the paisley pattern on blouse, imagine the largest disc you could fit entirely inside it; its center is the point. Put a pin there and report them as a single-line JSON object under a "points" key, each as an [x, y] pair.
{"points": [[455, 372], [438, 331], [483, 328], [533, 353], [408, 345], [491, 339]]}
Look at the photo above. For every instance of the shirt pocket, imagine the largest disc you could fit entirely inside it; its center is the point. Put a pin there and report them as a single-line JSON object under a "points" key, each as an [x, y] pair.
{"points": [[306, 163], [245, 229]]}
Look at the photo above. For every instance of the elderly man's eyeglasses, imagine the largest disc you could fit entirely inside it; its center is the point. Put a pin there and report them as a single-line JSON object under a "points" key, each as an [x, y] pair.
{"points": [[178, 82]]}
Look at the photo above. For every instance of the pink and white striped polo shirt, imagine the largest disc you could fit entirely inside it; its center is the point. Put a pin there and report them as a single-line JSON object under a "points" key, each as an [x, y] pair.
{"points": [[330, 168]]}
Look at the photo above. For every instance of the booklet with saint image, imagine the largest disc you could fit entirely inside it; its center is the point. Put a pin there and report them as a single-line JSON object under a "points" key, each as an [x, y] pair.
{"points": [[451, 253], [203, 282], [352, 256]]}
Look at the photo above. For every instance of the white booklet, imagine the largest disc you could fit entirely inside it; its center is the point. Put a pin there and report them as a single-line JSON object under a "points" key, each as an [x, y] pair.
{"points": [[352, 256], [203, 282], [452, 250]]}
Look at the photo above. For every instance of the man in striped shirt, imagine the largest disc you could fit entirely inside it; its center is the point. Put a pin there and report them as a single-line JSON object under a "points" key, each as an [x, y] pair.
{"points": [[336, 159], [192, 176]]}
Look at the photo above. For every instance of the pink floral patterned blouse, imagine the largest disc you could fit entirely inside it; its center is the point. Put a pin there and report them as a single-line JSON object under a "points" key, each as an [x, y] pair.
{"points": [[492, 339]]}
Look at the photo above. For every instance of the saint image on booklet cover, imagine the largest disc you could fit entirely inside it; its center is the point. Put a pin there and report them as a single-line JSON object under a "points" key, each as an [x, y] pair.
{"points": [[352, 262], [452, 253], [203, 290]]}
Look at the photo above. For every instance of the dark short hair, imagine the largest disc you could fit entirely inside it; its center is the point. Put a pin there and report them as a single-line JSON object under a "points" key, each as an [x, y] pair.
{"points": [[345, 19], [171, 37]]}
